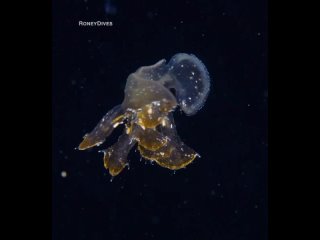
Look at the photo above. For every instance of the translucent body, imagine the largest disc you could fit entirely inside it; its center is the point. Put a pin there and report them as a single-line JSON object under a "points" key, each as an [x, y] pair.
{"points": [[147, 113]]}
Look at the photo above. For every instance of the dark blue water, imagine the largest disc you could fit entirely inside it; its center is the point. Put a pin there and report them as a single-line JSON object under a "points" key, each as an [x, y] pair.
{"points": [[222, 195]]}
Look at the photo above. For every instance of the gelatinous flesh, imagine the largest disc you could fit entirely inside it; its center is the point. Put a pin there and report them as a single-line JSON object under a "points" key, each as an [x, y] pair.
{"points": [[147, 114]]}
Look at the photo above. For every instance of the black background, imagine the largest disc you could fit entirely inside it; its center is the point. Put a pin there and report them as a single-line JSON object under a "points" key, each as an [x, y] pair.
{"points": [[222, 195]]}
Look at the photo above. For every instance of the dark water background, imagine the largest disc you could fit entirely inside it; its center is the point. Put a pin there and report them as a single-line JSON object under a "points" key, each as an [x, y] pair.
{"points": [[222, 195]]}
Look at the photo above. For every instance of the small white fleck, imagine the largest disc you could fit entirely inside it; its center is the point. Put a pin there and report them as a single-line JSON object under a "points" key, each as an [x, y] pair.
{"points": [[192, 73], [259, 34], [163, 122], [249, 105], [157, 103], [64, 174], [181, 65]]}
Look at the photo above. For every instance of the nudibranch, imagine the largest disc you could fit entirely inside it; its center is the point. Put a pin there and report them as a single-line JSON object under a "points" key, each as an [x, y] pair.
{"points": [[152, 93]]}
